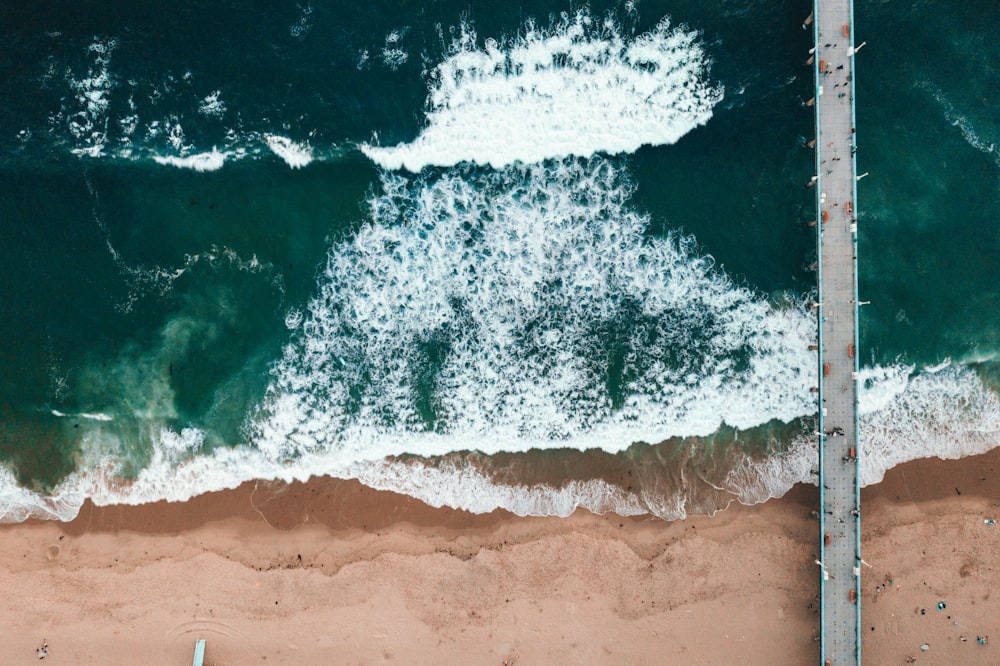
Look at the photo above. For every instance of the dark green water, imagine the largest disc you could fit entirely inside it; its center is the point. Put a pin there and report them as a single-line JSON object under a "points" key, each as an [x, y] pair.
{"points": [[582, 320]]}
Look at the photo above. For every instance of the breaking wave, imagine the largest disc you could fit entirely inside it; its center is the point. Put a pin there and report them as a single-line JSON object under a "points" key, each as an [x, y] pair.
{"points": [[903, 415], [950, 415], [527, 309], [211, 161], [575, 89], [295, 155]]}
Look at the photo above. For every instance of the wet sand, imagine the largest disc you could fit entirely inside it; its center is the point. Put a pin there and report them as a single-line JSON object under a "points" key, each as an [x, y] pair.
{"points": [[333, 572]]}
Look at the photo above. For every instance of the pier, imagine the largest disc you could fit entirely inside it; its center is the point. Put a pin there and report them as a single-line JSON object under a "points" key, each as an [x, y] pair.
{"points": [[835, 185]]}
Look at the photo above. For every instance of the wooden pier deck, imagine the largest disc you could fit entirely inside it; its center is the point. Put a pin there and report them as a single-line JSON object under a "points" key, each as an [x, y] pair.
{"points": [[836, 204]]}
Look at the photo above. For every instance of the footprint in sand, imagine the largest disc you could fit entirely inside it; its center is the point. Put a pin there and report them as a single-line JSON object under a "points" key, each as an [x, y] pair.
{"points": [[52, 552]]}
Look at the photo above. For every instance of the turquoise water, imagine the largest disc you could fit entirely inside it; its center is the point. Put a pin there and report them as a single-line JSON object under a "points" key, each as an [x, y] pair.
{"points": [[217, 265]]}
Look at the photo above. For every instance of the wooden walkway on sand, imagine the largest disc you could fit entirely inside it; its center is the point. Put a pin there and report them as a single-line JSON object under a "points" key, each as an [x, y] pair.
{"points": [[835, 185]]}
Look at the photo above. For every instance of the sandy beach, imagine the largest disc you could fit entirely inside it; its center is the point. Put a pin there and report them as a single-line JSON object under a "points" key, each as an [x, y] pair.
{"points": [[331, 572]]}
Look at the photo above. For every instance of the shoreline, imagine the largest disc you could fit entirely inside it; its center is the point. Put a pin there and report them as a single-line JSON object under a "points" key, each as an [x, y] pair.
{"points": [[331, 571]]}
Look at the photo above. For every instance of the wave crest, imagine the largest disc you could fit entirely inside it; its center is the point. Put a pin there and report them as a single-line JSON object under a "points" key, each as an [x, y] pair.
{"points": [[949, 414], [527, 309], [574, 90]]}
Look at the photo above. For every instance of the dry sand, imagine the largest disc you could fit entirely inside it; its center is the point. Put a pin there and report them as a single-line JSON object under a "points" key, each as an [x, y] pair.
{"points": [[330, 572]]}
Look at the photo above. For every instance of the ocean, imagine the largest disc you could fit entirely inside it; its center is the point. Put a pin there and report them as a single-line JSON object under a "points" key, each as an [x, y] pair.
{"points": [[536, 256]]}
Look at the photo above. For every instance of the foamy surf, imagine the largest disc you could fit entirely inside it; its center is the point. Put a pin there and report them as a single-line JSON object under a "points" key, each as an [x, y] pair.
{"points": [[578, 88], [210, 161], [295, 155], [527, 310], [950, 415], [83, 415], [159, 118], [466, 488]]}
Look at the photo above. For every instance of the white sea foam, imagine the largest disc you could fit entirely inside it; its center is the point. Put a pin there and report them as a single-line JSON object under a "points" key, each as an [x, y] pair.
{"points": [[212, 106], [753, 480], [576, 89], [932, 369], [466, 488], [175, 134], [95, 120], [970, 135], [148, 120], [94, 87], [96, 417], [128, 125], [300, 29], [296, 155], [988, 146], [17, 504], [949, 414], [95, 149], [519, 280], [293, 318], [363, 59], [83, 415], [177, 473], [393, 54], [86, 114], [210, 161], [880, 386]]}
